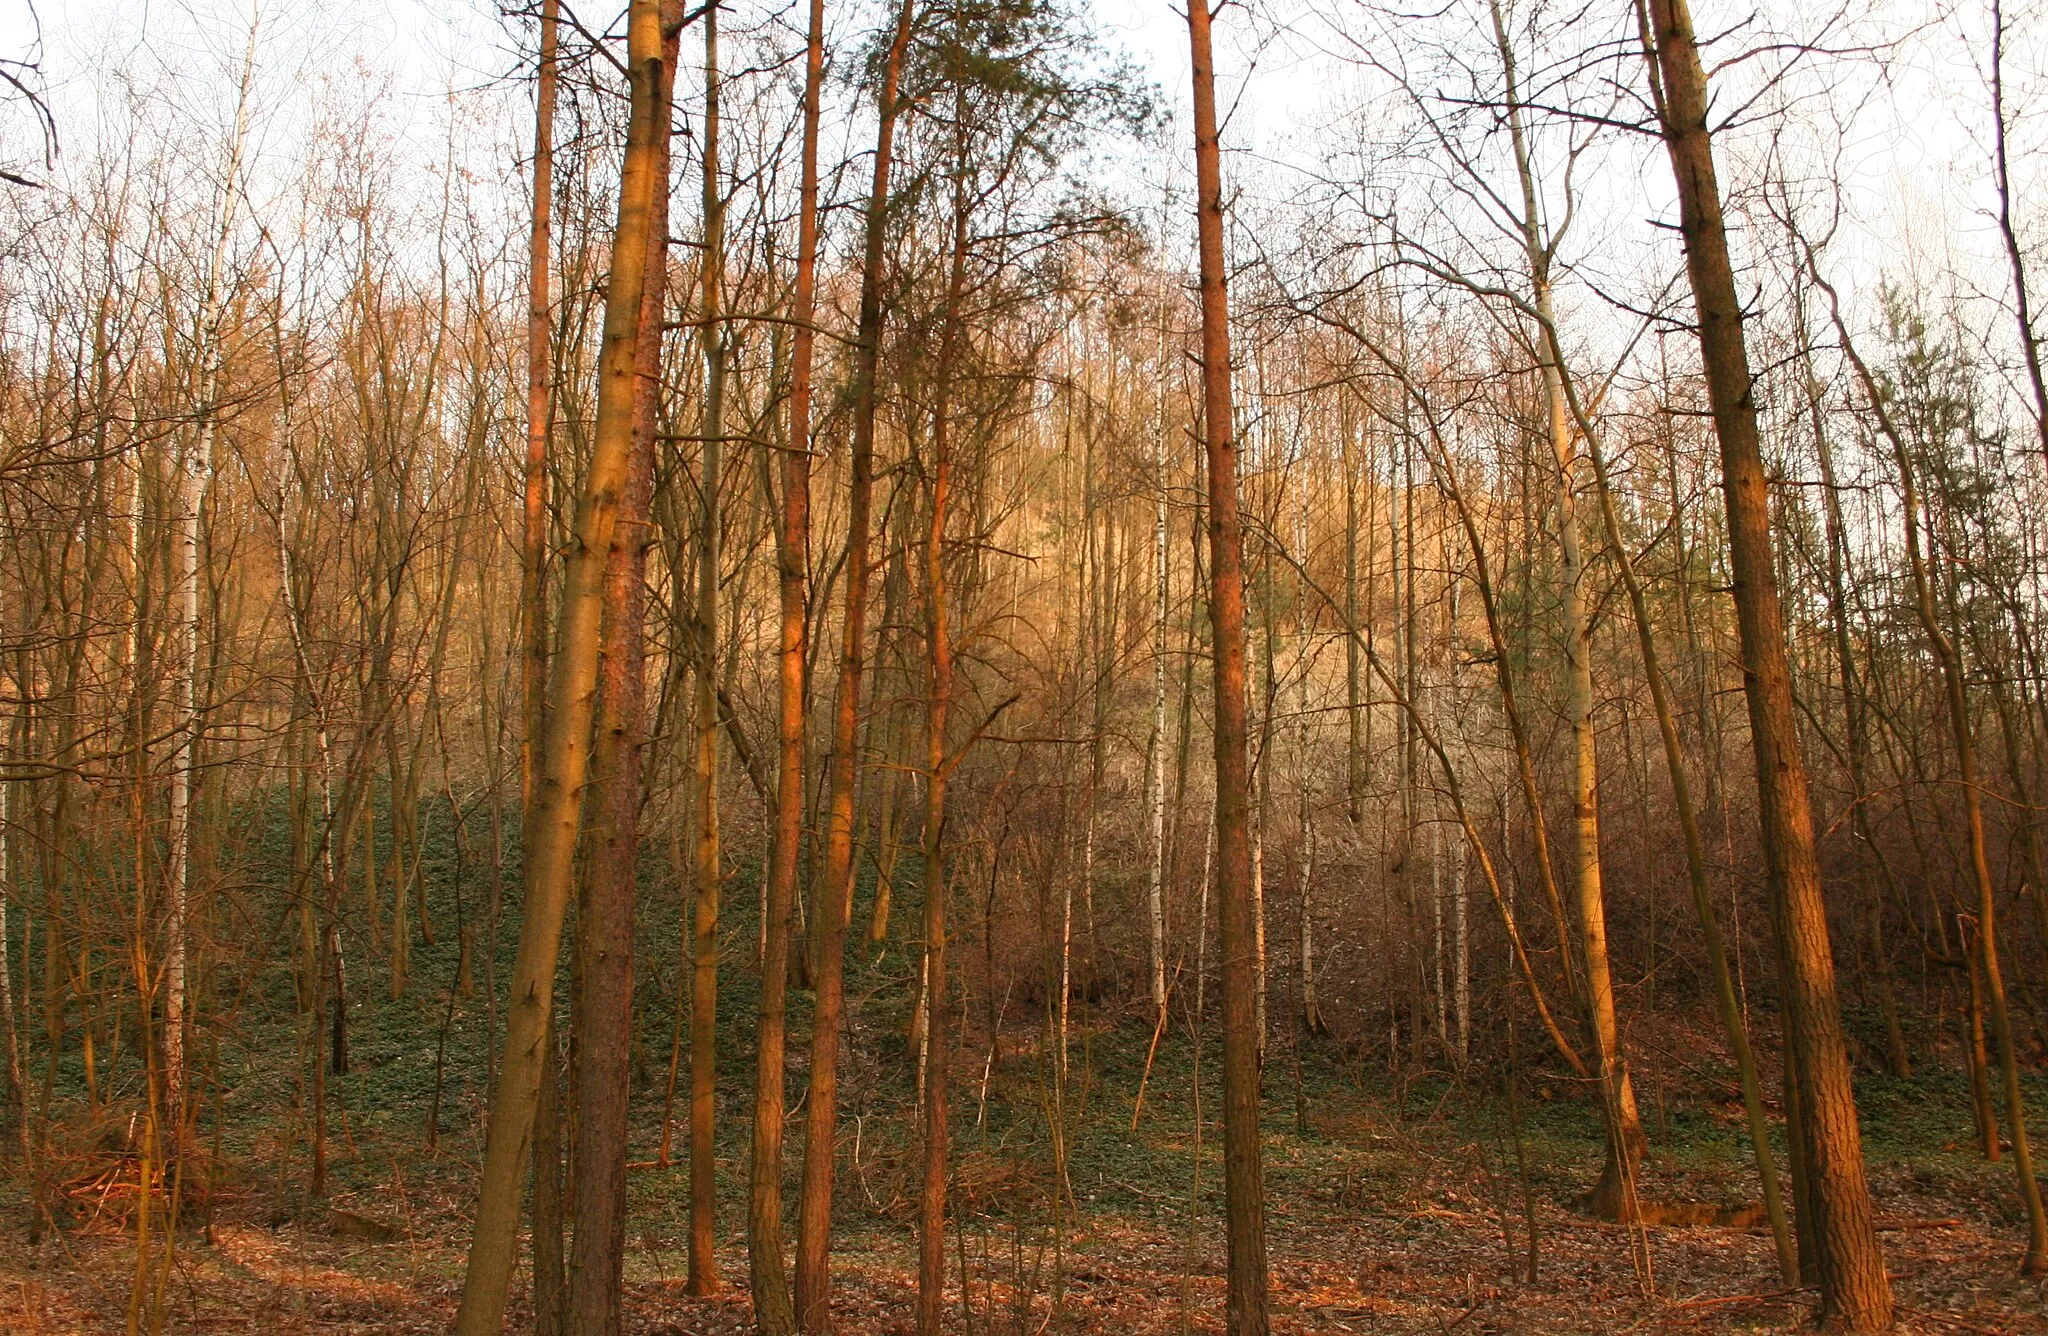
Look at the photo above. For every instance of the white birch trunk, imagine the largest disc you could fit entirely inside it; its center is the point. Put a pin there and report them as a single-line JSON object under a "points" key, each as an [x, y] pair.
{"points": [[1155, 887], [1461, 946], [195, 472], [1436, 905]]}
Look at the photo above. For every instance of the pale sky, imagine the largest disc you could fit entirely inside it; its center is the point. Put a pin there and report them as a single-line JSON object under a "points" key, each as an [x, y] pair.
{"points": [[1912, 152]]}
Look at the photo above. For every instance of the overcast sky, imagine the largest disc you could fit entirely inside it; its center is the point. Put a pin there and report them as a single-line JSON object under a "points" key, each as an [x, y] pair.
{"points": [[1912, 152]]}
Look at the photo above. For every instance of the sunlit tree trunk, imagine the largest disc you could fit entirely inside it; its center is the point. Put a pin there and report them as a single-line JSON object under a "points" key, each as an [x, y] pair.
{"points": [[533, 653], [1305, 811], [1443, 467], [1461, 946], [772, 1310], [1155, 751], [1854, 1288], [572, 688], [1615, 1195], [605, 914], [703, 1261], [931, 1222], [17, 1069], [1243, 1188], [1855, 712], [2008, 232], [1696, 873], [832, 897]]}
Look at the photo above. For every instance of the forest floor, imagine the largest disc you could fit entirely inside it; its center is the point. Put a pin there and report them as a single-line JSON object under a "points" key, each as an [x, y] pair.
{"points": [[1384, 1216], [1394, 1206]]}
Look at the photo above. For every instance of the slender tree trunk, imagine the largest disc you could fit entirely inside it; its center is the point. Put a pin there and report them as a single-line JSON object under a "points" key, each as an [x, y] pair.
{"points": [[1854, 707], [1261, 803], [1412, 724], [1854, 1288], [1426, 737], [2023, 311], [572, 686], [1461, 946], [1155, 757], [550, 1270], [533, 658], [539, 385], [1443, 468], [1243, 1189], [931, 1224], [1305, 812], [1982, 1108], [814, 1207], [17, 1069], [1445, 477], [772, 1310], [1615, 1195], [703, 1261], [2030, 830], [1357, 714]]}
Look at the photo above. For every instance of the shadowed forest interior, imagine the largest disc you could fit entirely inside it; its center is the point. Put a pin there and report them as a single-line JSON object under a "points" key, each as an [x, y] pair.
{"points": [[1001, 666]]}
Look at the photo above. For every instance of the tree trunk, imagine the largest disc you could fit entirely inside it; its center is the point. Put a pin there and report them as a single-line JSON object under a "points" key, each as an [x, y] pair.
{"points": [[772, 1310], [1854, 707], [1696, 875], [550, 1273], [1854, 1288], [533, 674], [814, 1207], [2023, 311], [533, 659], [195, 470], [1614, 1197], [1155, 752], [1243, 1189], [931, 1223], [571, 691], [605, 916], [703, 1261], [1304, 814]]}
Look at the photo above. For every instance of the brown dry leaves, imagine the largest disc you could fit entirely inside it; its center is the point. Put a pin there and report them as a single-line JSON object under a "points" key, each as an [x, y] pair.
{"points": [[1439, 1262]]}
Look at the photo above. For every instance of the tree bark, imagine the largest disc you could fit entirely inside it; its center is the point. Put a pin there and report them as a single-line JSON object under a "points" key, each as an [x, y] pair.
{"points": [[1155, 751], [1854, 1288], [814, 1206], [773, 1313], [194, 472], [1243, 1188], [571, 691], [931, 1223], [703, 1262], [603, 1019]]}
